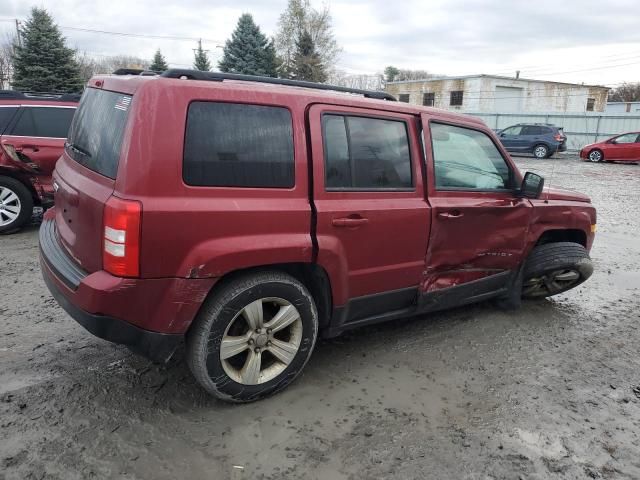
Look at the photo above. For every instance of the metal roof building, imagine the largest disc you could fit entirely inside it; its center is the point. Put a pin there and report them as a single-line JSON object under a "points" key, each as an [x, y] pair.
{"points": [[491, 93]]}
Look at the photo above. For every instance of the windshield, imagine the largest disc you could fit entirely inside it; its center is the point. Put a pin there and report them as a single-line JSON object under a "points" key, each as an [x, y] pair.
{"points": [[96, 132]]}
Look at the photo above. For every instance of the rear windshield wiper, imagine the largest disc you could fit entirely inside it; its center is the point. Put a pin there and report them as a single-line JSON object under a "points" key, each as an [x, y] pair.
{"points": [[77, 149]]}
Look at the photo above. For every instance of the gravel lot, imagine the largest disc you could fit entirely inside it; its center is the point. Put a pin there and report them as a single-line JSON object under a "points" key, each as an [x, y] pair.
{"points": [[543, 392]]}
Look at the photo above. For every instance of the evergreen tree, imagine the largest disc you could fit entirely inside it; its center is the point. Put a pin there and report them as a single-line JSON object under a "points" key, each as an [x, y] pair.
{"points": [[307, 62], [42, 61], [248, 51], [159, 64], [201, 61]]}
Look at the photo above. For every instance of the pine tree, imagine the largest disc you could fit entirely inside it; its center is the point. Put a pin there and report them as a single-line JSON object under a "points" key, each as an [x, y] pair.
{"points": [[201, 61], [307, 63], [249, 51], [42, 61], [159, 64]]}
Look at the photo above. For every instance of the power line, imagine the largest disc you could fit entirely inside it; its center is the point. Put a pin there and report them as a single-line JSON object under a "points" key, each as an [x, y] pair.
{"points": [[136, 35]]}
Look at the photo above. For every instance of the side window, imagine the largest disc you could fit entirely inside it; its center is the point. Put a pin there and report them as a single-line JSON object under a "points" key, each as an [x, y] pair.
{"points": [[238, 145], [48, 122], [6, 114], [627, 138], [531, 130], [366, 153], [512, 130], [467, 159]]}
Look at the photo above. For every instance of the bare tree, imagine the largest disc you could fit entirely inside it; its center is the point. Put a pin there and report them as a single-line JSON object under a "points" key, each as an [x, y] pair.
{"points": [[102, 64], [299, 17], [6, 61], [364, 82], [627, 92]]}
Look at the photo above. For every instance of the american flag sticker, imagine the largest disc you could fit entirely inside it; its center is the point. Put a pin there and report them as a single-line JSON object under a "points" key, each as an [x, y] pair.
{"points": [[123, 103]]}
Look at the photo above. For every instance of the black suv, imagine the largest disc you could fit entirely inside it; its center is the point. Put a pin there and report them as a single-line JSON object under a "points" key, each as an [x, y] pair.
{"points": [[540, 139]]}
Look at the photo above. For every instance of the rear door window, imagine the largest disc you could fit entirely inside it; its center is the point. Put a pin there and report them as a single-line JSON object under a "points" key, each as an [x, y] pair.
{"points": [[95, 137], [6, 114], [364, 153], [48, 122], [531, 130]]}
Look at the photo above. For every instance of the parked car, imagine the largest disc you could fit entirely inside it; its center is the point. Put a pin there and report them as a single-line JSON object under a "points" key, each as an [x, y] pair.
{"points": [[248, 219], [621, 148], [540, 139], [33, 129]]}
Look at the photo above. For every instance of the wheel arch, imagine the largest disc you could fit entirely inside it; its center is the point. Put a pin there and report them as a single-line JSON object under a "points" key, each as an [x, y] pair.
{"points": [[574, 235], [311, 275], [23, 179]]}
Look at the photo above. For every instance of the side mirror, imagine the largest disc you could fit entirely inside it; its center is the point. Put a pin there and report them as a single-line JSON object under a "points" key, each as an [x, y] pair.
{"points": [[532, 185]]}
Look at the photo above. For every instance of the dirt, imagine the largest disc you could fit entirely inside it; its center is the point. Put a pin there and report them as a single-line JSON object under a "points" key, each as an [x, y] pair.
{"points": [[546, 391]]}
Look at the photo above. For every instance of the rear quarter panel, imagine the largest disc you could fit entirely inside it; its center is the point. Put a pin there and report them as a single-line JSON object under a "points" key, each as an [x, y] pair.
{"points": [[204, 232]]}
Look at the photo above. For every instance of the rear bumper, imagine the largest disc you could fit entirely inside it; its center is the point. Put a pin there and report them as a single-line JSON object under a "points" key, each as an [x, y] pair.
{"points": [[562, 147], [148, 315], [156, 346]]}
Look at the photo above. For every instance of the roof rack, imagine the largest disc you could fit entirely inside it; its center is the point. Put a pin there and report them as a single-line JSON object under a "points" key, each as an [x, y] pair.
{"points": [[53, 97], [219, 77], [135, 71]]}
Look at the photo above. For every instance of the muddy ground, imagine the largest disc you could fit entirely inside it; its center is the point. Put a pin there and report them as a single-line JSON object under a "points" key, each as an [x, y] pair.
{"points": [[543, 392]]}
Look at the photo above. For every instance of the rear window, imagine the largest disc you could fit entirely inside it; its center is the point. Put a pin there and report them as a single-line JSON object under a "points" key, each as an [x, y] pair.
{"points": [[238, 145], [6, 114], [48, 122], [95, 137]]}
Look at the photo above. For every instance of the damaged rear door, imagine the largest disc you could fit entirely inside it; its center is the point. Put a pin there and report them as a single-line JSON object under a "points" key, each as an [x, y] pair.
{"points": [[479, 225], [35, 139]]}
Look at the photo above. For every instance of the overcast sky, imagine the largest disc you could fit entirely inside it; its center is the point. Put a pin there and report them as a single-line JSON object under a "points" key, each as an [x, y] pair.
{"points": [[596, 42]]}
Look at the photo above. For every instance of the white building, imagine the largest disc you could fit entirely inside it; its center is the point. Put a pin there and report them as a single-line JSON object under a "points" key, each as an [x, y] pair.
{"points": [[490, 93], [623, 107]]}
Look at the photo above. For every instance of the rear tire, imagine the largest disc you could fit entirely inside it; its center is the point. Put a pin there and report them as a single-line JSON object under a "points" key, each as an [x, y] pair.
{"points": [[541, 151], [253, 336], [555, 268], [16, 205]]}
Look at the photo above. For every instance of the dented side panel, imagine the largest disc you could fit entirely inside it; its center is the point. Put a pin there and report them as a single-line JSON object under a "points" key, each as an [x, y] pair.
{"points": [[474, 235]]}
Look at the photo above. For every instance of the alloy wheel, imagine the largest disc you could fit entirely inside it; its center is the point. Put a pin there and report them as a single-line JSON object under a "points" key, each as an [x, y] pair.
{"points": [[10, 206], [261, 341], [595, 156], [540, 151], [551, 283]]}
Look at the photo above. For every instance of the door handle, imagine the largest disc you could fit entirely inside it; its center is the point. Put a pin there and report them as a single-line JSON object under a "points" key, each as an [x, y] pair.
{"points": [[30, 147], [451, 214], [349, 222]]}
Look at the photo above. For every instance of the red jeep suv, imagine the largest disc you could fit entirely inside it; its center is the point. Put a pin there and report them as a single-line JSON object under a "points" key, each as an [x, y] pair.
{"points": [[248, 215], [33, 129]]}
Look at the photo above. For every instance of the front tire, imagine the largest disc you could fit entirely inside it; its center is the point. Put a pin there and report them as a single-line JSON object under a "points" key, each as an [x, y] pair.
{"points": [[554, 268], [596, 156], [253, 336], [16, 205]]}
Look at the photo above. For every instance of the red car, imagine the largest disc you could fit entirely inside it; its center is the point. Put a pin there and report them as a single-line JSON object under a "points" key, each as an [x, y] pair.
{"points": [[33, 130], [248, 215], [621, 148]]}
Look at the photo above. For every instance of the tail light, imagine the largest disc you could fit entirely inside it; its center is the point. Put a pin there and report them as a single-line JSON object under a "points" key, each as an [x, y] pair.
{"points": [[559, 137], [121, 253]]}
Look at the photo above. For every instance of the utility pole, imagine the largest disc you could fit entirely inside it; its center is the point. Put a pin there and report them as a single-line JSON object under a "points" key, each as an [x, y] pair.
{"points": [[18, 33]]}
